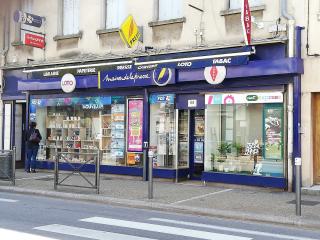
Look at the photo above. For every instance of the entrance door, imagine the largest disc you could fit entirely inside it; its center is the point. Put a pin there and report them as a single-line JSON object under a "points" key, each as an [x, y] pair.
{"points": [[316, 137], [197, 143], [19, 133], [191, 141]]}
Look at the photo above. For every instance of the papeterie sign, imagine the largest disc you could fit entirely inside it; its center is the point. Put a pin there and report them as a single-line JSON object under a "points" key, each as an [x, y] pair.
{"points": [[129, 32], [246, 21], [27, 18]]}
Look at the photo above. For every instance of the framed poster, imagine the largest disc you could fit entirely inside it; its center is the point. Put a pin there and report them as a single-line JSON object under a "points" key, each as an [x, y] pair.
{"points": [[273, 131], [135, 119]]}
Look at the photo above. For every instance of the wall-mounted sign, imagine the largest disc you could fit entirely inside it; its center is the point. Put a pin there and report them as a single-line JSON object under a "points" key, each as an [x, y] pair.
{"points": [[129, 32], [240, 98], [131, 77], [68, 83], [161, 98], [246, 21], [215, 74], [33, 39], [192, 103], [27, 18]]}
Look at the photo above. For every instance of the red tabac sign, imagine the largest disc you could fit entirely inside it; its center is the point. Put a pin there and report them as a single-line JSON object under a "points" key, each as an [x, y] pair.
{"points": [[246, 21], [34, 40]]}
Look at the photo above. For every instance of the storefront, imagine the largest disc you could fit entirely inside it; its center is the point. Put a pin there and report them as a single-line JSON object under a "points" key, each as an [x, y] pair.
{"points": [[234, 130]]}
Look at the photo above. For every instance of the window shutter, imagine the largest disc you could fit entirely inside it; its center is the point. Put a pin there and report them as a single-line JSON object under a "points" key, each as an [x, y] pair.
{"points": [[169, 9], [76, 12], [115, 13]]}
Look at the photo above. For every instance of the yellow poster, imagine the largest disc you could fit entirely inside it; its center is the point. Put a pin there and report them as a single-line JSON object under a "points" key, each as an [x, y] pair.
{"points": [[129, 32]]}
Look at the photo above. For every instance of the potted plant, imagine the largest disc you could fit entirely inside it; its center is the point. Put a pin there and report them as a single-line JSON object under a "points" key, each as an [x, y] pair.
{"points": [[238, 147], [224, 148]]}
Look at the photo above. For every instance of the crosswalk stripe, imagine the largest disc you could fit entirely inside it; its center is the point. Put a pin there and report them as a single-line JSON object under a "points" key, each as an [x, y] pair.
{"points": [[163, 229], [17, 235], [237, 230], [87, 233], [8, 200]]}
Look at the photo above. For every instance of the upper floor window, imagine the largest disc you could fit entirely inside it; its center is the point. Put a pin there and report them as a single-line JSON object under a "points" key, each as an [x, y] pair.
{"points": [[71, 16], [169, 9], [115, 13], [236, 4]]}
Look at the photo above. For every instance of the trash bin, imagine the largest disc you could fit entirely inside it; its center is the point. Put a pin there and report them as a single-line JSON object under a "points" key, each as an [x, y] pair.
{"points": [[6, 165]]}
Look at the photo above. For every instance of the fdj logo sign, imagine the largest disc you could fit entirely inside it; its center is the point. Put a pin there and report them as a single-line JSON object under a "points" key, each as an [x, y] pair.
{"points": [[129, 32], [252, 98], [68, 83], [162, 76]]}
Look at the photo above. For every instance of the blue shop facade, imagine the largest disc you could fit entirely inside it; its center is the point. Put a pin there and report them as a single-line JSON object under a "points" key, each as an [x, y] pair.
{"points": [[216, 115]]}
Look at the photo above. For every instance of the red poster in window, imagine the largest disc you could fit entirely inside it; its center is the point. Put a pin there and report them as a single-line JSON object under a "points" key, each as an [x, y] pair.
{"points": [[34, 40], [246, 21]]}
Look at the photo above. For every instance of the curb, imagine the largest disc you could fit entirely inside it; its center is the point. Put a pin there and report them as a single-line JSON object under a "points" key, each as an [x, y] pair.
{"points": [[295, 221]]}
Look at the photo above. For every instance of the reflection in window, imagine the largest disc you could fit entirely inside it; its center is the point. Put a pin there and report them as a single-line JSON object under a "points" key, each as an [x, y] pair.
{"points": [[169, 9], [71, 16], [236, 4], [245, 138], [115, 13]]}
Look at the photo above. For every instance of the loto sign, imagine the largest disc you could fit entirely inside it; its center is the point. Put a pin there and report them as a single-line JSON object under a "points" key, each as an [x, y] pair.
{"points": [[68, 83], [246, 21]]}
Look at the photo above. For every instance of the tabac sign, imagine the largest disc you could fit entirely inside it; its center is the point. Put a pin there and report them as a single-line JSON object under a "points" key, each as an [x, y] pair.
{"points": [[129, 32]]}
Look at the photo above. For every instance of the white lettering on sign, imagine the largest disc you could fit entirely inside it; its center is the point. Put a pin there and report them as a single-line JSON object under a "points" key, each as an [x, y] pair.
{"points": [[86, 70], [68, 83], [221, 61], [51, 73], [184, 64], [192, 103], [124, 67]]}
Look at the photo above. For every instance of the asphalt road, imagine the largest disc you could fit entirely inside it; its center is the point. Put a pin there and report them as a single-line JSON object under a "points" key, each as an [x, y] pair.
{"points": [[25, 217]]}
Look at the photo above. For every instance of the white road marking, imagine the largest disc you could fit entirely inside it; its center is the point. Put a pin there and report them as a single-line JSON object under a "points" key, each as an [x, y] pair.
{"points": [[87, 233], [15, 235], [237, 230], [8, 200], [201, 196], [39, 177], [163, 229]]}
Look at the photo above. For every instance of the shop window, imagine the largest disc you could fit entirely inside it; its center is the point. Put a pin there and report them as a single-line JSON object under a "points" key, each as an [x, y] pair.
{"points": [[169, 9], [244, 137], [84, 125], [70, 17], [236, 4], [115, 13], [163, 130]]}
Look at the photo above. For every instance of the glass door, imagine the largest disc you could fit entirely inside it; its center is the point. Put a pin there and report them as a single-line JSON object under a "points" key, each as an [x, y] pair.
{"points": [[183, 139], [197, 143]]}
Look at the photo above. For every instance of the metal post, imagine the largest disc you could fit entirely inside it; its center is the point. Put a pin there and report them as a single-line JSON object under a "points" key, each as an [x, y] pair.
{"points": [[150, 177], [14, 166], [98, 172], [298, 185], [144, 173], [56, 162]]}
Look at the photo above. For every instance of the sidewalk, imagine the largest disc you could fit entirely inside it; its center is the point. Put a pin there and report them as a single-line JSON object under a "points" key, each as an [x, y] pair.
{"points": [[229, 201]]}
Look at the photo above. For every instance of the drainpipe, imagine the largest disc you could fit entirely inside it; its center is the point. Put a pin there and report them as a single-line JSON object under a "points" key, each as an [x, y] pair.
{"points": [[291, 53], [3, 56]]}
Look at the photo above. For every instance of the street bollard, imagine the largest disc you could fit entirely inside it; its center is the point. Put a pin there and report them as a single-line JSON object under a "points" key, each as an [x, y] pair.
{"points": [[150, 180], [297, 163]]}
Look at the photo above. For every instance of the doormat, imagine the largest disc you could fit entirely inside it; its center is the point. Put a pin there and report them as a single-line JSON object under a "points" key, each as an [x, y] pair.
{"points": [[305, 202]]}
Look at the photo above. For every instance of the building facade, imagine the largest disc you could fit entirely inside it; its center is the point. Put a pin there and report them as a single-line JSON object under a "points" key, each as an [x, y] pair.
{"points": [[209, 106]]}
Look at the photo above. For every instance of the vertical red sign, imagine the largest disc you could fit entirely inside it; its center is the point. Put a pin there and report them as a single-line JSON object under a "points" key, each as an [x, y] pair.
{"points": [[246, 21]]}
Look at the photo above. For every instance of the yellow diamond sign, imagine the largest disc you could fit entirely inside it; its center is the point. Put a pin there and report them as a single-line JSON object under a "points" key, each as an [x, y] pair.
{"points": [[129, 32]]}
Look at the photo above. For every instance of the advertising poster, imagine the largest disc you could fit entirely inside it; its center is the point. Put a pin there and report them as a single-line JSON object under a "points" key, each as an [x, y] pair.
{"points": [[135, 118], [273, 132]]}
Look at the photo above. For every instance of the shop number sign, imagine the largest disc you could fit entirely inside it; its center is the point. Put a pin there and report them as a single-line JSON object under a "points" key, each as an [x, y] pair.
{"points": [[68, 83]]}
